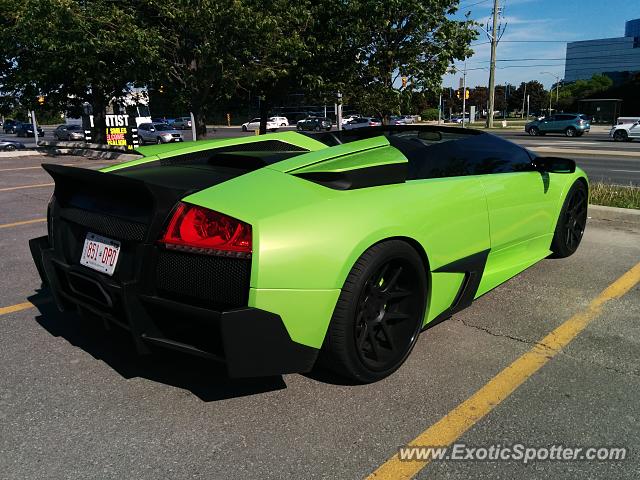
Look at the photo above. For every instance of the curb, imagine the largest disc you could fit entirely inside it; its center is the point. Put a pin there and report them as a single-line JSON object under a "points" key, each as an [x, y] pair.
{"points": [[627, 215], [21, 153]]}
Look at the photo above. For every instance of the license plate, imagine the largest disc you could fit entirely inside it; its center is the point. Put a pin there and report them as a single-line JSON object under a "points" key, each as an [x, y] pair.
{"points": [[100, 253]]}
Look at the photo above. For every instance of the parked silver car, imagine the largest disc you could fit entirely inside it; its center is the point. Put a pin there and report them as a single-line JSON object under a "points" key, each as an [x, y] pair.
{"points": [[362, 122], [182, 123], [158, 133], [69, 132]]}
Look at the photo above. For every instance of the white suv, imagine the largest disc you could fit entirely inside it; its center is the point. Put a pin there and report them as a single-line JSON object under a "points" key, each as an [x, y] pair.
{"points": [[625, 132], [254, 124], [281, 121]]}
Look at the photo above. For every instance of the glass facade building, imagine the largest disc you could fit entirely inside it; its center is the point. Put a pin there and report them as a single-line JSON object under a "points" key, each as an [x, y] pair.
{"points": [[618, 58]]}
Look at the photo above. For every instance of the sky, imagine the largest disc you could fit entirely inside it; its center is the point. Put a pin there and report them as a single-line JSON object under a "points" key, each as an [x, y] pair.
{"points": [[526, 20]]}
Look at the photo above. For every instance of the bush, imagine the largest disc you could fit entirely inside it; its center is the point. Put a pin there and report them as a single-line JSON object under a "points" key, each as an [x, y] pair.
{"points": [[430, 114]]}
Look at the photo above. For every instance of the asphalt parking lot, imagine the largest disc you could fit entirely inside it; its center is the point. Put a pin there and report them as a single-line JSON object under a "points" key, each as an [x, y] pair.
{"points": [[551, 357]]}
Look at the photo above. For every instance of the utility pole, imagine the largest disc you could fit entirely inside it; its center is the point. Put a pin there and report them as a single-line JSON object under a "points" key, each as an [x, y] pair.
{"points": [[35, 126], [440, 108], [492, 66], [524, 98], [464, 92], [339, 112]]}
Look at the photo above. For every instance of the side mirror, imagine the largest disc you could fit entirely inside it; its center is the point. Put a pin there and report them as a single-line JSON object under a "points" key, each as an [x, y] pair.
{"points": [[554, 164], [152, 129]]}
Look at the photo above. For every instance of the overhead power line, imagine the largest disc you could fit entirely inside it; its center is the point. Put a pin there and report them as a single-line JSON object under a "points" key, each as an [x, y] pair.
{"points": [[473, 4]]}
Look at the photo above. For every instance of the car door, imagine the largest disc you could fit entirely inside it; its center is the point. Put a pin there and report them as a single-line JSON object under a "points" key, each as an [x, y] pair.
{"points": [[144, 132], [547, 124], [634, 130], [563, 121], [520, 200], [254, 124], [455, 228]]}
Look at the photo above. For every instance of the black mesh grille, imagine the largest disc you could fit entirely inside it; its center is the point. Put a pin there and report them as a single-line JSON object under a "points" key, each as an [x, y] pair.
{"points": [[207, 280], [111, 227]]}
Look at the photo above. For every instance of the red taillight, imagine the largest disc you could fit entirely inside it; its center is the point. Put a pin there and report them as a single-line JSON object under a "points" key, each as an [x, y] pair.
{"points": [[201, 230]]}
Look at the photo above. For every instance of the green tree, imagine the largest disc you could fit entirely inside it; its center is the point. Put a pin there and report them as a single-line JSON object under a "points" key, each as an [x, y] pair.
{"points": [[205, 47], [570, 94], [416, 39], [538, 96], [73, 51]]}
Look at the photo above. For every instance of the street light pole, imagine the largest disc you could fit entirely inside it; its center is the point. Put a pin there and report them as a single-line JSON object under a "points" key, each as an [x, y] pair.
{"points": [[557, 77]]}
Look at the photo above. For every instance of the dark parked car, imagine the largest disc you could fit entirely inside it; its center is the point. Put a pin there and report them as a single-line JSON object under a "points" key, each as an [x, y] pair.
{"points": [[69, 132], [571, 124], [10, 126], [315, 124], [26, 130]]}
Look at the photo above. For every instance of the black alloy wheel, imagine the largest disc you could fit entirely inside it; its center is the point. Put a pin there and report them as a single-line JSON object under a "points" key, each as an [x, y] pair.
{"points": [[572, 222], [620, 136], [534, 131], [379, 314]]}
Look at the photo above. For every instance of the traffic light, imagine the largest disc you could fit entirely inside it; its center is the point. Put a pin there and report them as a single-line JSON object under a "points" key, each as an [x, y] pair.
{"points": [[458, 93], [466, 94], [404, 82], [41, 99], [161, 89]]}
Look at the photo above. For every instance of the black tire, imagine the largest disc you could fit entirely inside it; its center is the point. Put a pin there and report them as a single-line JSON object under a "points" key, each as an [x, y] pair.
{"points": [[379, 313], [158, 141], [317, 128], [9, 148], [571, 222], [244, 128], [620, 136], [534, 131], [570, 132]]}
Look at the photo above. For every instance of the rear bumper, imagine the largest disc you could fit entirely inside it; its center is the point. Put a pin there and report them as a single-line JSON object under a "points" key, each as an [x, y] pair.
{"points": [[250, 341]]}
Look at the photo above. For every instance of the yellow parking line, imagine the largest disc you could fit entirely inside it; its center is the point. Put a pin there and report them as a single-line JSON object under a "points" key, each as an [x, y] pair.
{"points": [[449, 428], [26, 186], [24, 222], [16, 308]]}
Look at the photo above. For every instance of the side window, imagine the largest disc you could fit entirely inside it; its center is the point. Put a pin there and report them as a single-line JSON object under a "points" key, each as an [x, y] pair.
{"points": [[490, 154], [461, 155], [566, 117]]}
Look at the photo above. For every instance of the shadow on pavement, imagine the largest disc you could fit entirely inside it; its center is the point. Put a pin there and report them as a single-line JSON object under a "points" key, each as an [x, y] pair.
{"points": [[205, 379]]}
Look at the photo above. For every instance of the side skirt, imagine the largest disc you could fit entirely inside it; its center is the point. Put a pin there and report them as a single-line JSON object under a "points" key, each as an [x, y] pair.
{"points": [[472, 267]]}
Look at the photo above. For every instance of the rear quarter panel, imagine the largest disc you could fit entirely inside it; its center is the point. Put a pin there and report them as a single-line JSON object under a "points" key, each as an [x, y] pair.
{"points": [[308, 236]]}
